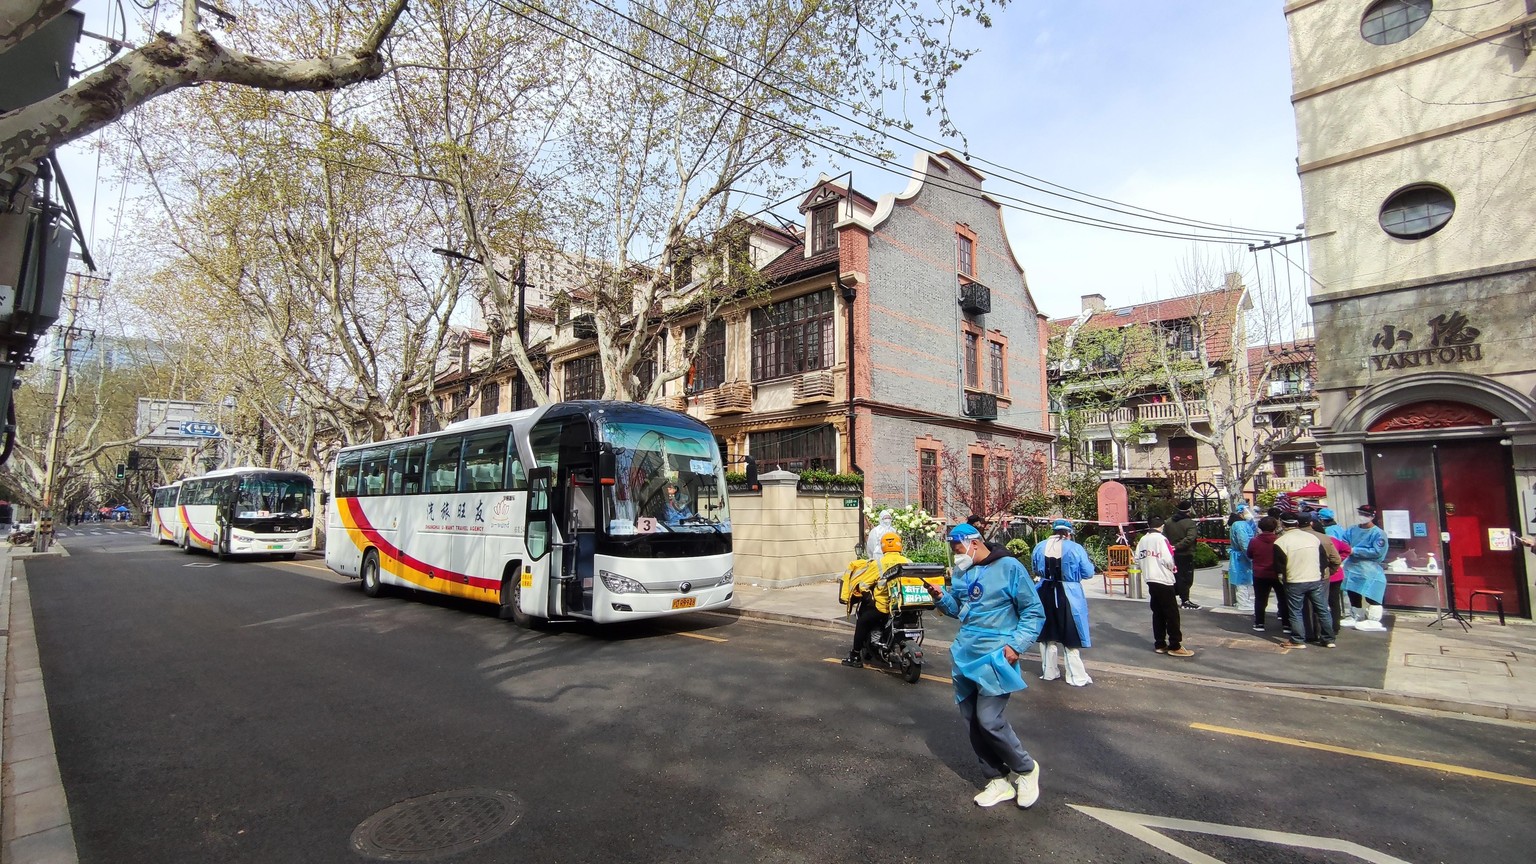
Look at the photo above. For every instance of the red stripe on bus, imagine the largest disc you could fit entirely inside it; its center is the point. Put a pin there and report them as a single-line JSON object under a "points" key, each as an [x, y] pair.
{"points": [[355, 511], [188, 523]]}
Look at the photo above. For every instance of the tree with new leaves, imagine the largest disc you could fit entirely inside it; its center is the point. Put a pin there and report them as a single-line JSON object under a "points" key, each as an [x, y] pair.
{"points": [[994, 485], [170, 62]]}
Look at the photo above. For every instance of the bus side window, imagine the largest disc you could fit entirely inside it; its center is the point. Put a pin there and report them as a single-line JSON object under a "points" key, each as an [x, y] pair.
{"points": [[346, 475], [485, 457], [443, 464], [375, 464], [517, 476], [396, 482], [415, 457]]}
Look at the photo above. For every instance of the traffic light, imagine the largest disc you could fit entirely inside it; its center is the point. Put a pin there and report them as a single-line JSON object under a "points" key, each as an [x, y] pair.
{"points": [[122, 470], [133, 460]]}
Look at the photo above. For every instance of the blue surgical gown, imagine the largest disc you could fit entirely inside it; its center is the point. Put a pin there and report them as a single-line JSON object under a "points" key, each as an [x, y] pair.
{"points": [[1240, 570], [997, 606], [1075, 567], [1363, 573]]}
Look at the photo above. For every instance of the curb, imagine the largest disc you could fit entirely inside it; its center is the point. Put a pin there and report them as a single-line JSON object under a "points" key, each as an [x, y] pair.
{"points": [[1491, 710]]}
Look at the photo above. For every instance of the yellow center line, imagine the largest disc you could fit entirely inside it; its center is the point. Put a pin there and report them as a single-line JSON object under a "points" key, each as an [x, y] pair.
{"points": [[924, 676], [1367, 754], [696, 636]]}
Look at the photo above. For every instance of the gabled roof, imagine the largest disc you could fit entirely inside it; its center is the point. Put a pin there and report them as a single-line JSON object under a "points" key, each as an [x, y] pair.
{"points": [[1282, 354], [1219, 308], [794, 265]]}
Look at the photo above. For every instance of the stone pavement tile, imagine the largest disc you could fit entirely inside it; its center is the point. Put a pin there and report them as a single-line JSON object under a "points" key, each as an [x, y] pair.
{"points": [[32, 721], [29, 674], [38, 810], [29, 745], [53, 846], [29, 775], [28, 704], [24, 689]]}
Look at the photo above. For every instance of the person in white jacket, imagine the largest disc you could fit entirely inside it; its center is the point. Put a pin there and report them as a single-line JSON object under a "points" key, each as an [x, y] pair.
{"points": [[881, 528], [1155, 558]]}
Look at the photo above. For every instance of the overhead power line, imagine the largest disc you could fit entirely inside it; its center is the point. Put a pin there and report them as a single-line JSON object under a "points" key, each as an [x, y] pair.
{"points": [[1005, 173], [842, 148]]}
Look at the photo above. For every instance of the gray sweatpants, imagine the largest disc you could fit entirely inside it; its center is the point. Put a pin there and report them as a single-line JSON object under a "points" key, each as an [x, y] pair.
{"points": [[992, 737]]}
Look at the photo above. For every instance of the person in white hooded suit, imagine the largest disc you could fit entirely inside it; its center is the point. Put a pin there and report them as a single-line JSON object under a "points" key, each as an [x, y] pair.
{"points": [[880, 529], [1061, 565]]}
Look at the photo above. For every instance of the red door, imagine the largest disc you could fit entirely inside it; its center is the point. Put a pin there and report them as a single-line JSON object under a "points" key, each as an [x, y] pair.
{"points": [[1454, 489]]}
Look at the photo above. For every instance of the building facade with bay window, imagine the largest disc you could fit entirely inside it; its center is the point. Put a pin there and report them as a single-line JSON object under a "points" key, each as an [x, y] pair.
{"points": [[1417, 186]]}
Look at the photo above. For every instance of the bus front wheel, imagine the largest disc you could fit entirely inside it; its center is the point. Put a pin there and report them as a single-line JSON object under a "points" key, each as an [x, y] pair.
{"points": [[512, 606], [371, 584], [221, 546]]}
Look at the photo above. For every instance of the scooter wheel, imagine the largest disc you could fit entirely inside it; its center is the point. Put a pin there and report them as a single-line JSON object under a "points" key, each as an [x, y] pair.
{"points": [[911, 669]]}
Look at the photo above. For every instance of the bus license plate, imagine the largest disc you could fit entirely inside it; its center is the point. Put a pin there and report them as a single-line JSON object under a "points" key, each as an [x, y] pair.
{"points": [[685, 602]]}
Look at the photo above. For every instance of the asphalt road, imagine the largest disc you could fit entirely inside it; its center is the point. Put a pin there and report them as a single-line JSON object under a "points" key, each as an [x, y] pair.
{"points": [[260, 712]]}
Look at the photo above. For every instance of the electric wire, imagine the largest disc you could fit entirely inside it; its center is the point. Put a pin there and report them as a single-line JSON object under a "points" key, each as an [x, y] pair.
{"points": [[629, 59], [1087, 198]]}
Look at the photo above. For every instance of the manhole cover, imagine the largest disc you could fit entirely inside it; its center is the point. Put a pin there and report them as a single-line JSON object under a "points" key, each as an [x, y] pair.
{"points": [[437, 825]]}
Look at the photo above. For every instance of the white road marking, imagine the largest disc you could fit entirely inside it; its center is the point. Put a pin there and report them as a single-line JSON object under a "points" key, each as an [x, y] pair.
{"points": [[1141, 825]]}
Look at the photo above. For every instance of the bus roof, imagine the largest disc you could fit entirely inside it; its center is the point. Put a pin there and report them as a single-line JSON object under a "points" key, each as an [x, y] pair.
{"points": [[523, 420], [246, 469]]}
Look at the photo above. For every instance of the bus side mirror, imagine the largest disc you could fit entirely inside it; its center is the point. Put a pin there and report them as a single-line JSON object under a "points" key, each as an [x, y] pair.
{"points": [[752, 481], [607, 467]]}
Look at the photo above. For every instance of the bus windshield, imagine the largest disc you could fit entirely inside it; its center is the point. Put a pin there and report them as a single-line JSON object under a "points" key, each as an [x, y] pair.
{"points": [[669, 480], [274, 498]]}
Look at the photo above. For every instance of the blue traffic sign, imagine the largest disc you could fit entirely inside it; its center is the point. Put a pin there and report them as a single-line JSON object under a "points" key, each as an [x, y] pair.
{"points": [[198, 429]]}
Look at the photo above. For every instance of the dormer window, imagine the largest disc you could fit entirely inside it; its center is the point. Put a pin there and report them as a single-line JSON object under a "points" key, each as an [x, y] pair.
{"points": [[823, 235]]}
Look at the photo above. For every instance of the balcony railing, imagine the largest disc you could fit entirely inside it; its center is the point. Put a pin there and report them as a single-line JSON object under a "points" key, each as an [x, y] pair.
{"points": [[1291, 484], [981, 406], [1168, 412]]}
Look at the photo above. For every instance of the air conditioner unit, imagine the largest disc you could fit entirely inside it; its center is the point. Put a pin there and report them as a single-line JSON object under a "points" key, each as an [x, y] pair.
{"points": [[1306, 386], [1261, 419], [1147, 438], [1071, 365], [1191, 355], [1277, 388]]}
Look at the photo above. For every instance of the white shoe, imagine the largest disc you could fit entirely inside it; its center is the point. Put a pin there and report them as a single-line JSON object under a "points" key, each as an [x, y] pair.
{"points": [[1369, 626], [1347, 622], [1029, 787], [998, 790]]}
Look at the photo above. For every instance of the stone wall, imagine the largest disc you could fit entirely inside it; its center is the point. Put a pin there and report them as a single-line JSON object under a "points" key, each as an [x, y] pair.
{"points": [[786, 537]]}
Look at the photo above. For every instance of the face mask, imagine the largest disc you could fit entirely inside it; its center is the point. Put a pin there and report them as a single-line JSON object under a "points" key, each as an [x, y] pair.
{"points": [[963, 563]]}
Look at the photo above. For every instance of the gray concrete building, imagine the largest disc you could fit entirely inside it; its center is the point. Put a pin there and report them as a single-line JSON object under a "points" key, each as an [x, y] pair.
{"points": [[1414, 120]]}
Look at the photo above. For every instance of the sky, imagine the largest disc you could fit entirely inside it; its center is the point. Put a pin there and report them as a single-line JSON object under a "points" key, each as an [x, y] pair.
{"points": [[1181, 106]]}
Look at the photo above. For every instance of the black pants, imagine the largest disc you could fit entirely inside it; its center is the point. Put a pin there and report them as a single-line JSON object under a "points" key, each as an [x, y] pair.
{"points": [[1183, 575], [870, 619], [1261, 591], [1165, 616], [1336, 603]]}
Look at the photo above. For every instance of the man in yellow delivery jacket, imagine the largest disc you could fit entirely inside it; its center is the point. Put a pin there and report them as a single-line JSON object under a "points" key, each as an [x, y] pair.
{"points": [[861, 584]]}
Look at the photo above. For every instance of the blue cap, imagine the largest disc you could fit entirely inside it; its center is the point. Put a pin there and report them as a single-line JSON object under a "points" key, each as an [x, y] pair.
{"points": [[1061, 525], [1243, 507], [1325, 513], [963, 532]]}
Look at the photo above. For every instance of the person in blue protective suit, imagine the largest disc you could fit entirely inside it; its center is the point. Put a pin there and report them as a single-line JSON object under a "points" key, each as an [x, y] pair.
{"points": [[1000, 617], [1062, 564], [1240, 531], [1365, 580]]}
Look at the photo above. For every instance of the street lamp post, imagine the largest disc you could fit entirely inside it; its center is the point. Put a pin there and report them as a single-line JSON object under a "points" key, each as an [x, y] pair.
{"points": [[520, 282]]}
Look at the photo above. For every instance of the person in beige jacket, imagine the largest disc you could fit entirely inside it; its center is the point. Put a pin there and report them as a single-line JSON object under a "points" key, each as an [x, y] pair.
{"points": [[1301, 562]]}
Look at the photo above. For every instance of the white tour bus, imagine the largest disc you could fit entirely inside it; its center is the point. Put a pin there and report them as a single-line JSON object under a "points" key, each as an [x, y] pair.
{"points": [[162, 513], [246, 511], [605, 511]]}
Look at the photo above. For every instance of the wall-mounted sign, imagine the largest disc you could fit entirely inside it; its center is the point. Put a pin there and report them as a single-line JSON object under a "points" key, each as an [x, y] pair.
{"points": [[1451, 340], [199, 429]]}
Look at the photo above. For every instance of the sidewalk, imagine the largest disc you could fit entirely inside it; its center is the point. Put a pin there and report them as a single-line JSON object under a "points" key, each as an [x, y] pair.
{"points": [[1489, 671], [34, 813]]}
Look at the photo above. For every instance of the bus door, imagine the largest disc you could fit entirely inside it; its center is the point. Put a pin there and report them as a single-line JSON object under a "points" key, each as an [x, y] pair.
{"points": [[563, 446]]}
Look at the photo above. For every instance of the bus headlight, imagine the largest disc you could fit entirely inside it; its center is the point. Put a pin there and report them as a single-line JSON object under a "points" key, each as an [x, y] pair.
{"points": [[620, 584], [729, 577]]}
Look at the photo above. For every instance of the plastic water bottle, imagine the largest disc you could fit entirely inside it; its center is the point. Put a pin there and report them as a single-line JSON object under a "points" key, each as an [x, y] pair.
{"points": [[1433, 565]]}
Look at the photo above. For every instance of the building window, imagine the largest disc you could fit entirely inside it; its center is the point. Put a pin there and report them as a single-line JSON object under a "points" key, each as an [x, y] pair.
{"points": [[1392, 21], [823, 235], [795, 449], [1101, 453], [682, 269], [428, 422], [998, 378], [460, 405], [965, 254], [928, 479], [1180, 334], [708, 368], [792, 336], [978, 483], [1183, 454], [645, 371], [1002, 477], [972, 360], [1293, 465], [583, 378], [490, 398], [1417, 211]]}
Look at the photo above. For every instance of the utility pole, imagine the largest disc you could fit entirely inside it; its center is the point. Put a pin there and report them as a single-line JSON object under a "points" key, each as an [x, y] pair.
{"points": [[43, 536]]}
